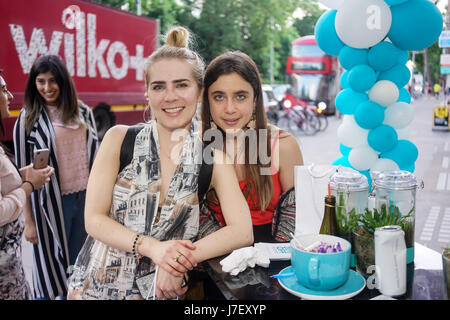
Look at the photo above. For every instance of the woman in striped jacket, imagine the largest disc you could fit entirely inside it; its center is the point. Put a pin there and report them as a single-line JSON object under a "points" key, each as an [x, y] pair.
{"points": [[55, 119]]}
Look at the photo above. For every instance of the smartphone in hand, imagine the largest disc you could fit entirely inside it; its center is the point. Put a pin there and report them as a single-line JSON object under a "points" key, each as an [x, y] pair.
{"points": [[40, 158]]}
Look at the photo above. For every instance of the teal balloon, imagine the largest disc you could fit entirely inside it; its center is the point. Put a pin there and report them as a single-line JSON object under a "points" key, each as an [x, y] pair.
{"points": [[347, 100], [342, 161], [361, 78], [405, 153], [394, 2], [399, 74], [416, 25], [383, 56], [382, 138], [325, 33], [410, 168], [343, 80], [369, 178], [369, 114], [403, 56], [344, 150], [404, 95], [350, 57]]}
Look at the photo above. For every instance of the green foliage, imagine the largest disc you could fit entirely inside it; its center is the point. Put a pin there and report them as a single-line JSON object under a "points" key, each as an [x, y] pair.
{"points": [[434, 54], [252, 26], [385, 217], [346, 221], [311, 12]]}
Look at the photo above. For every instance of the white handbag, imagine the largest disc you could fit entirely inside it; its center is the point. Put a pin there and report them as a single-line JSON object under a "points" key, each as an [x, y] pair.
{"points": [[311, 187]]}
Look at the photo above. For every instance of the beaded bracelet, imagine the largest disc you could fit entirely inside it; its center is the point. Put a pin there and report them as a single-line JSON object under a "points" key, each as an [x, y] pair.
{"points": [[31, 184], [137, 242]]}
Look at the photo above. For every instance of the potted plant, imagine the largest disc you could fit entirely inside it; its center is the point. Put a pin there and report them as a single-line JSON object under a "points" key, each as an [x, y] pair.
{"points": [[363, 235], [446, 271]]}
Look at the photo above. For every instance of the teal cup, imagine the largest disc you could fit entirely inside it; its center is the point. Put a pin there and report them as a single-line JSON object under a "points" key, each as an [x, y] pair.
{"points": [[320, 271]]}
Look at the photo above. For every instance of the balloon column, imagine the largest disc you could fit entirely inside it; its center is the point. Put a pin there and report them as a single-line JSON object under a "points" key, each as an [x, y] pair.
{"points": [[371, 39]]}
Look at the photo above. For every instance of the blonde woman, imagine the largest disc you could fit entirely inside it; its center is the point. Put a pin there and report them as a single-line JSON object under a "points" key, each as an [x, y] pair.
{"points": [[143, 218]]}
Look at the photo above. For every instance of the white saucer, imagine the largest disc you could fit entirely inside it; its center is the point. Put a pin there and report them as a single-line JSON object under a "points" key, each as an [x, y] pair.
{"points": [[354, 285]]}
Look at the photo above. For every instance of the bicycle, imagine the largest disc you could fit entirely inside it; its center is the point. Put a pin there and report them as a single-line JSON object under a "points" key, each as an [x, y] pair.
{"points": [[297, 118], [323, 119]]}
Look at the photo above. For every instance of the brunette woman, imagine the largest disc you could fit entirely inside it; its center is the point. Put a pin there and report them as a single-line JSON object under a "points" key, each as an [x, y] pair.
{"points": [[15, 187], [263, 156], [54, 118]]}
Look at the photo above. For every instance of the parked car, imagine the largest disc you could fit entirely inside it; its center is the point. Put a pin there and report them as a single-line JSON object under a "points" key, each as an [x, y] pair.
{"points": [[271, 104]]}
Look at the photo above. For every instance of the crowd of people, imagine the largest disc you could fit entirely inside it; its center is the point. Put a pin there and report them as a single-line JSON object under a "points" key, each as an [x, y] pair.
{"points": [[174, 191]]}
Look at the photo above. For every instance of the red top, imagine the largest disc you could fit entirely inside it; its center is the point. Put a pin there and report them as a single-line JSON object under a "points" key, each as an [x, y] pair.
{"points": [[258, 217]]}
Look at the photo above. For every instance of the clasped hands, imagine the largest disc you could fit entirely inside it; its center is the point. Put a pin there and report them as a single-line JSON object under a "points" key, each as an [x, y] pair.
{"points": [[174, 258]]}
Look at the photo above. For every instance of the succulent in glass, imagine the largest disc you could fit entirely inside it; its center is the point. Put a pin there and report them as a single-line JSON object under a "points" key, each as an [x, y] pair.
{"points": [[385, 217]]}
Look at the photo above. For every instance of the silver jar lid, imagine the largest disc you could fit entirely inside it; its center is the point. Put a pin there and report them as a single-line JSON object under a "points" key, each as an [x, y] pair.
{"points": [[348, 179], [396, 180]]}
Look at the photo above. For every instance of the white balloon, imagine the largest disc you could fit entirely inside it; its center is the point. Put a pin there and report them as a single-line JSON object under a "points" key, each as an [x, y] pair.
{"points": [[362, 158], [350, 134], [403, 133], [332, 4], [363, 23], [384, 165], [399, 115], [384, 92]]}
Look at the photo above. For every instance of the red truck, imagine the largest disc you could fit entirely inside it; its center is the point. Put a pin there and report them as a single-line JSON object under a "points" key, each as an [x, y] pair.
{"points": [[104, 49]]}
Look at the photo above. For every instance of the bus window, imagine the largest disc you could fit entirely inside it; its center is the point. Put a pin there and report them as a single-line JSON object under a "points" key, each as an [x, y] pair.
{"points": [[307, 51]]}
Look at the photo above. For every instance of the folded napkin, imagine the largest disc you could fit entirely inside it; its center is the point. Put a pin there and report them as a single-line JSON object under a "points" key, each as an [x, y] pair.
{"points": [[240, 259]]}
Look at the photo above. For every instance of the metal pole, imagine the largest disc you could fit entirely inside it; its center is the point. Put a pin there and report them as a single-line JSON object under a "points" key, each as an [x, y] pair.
{"points": [[271, 51], [447, 50], [139, 9]]}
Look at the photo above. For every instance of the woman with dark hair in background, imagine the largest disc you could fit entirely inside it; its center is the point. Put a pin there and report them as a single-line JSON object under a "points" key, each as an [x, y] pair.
{"points": [[55, 119], [15, 187]]}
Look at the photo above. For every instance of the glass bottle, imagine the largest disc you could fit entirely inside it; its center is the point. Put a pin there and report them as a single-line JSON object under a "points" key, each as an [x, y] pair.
{"points": [[329, 225]]}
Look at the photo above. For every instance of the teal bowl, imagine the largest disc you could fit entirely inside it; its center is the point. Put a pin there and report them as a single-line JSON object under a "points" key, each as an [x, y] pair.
{"points": [[321, 271]]}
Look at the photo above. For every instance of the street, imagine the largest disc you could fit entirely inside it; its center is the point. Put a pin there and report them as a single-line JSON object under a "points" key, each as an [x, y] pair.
{"points": [[432, 226]]}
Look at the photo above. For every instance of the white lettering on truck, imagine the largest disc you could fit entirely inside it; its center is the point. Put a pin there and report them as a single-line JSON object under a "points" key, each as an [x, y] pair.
{"points": [[73, 18]]}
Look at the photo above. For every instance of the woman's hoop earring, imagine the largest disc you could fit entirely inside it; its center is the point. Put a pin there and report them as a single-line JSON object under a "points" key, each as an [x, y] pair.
{"points": [[252, 123], [144, 115]]}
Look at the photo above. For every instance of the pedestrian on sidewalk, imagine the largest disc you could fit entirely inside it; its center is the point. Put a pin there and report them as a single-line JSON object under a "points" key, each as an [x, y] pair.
{"points": [[55, 119], [15, 187], [150, 203]]}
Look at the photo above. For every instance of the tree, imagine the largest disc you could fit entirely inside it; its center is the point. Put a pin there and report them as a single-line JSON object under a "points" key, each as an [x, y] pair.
{"points": [[310, 13], [219, 25]]}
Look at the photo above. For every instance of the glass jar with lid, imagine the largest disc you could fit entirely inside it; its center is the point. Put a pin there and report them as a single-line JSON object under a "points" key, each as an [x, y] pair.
{"points": [[395, 200], [351, 190]]}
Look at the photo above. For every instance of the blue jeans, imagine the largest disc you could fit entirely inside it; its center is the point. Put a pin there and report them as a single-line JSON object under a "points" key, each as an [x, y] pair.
{"points": [[73, 210]]}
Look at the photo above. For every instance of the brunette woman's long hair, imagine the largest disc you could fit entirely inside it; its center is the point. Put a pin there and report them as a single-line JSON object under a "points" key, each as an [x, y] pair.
{"points": [[68, 100], [240, 63], [2, 129]]}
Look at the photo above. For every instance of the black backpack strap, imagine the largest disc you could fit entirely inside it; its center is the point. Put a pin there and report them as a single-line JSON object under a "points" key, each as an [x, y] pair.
{"points": [[126, 155], [204, 177], [126, 151]]}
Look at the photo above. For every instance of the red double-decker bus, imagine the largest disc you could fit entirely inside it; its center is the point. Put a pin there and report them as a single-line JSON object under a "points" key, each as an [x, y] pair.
{"points": [[312, 75]]}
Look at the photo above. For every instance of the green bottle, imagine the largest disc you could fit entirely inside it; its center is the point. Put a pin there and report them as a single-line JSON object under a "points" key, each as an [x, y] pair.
{"points": [[329, 224]]}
